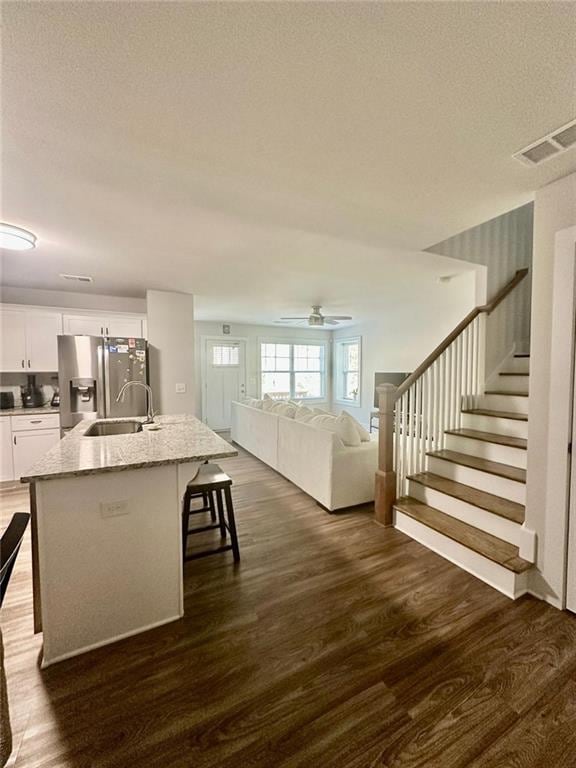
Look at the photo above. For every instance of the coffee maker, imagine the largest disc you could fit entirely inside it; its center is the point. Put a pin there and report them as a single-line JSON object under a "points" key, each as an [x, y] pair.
{"points": [[31, 394]]}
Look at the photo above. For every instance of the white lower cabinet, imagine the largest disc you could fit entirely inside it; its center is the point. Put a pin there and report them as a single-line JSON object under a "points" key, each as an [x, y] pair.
{"points": [[29, 446], [6, 461]]}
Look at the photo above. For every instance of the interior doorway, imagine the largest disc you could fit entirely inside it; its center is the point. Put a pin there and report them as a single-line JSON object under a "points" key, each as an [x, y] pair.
{"points": [[224, 379]]}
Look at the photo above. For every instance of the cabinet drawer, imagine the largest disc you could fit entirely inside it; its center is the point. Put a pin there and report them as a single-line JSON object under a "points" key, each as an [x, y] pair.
{"points": [[35, 421]]}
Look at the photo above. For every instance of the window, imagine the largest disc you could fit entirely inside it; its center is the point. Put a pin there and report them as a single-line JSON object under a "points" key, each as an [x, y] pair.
{"points": [[293, 370], [227, 354], [347, 361]]}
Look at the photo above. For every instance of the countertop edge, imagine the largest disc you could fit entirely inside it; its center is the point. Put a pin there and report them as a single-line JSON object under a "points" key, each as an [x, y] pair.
{"points": [[123, 467]]}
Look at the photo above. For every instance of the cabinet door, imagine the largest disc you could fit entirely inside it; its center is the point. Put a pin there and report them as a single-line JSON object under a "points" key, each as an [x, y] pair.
{"points": [[29, 447], [42, 329], [13, 346], [87, 325], [6, 465], [130, 327]]}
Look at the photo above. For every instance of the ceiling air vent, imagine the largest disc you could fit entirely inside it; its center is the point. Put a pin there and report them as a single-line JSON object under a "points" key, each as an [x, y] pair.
{"points": [[78, 278], [548, 146]]}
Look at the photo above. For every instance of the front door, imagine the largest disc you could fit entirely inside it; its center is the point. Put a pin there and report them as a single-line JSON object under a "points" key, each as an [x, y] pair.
{"points": [[224, 380]]}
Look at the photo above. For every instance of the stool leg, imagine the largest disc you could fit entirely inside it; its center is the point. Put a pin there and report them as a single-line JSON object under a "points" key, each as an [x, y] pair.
{"points": [[206, 499], [211, 505], [232, 524], [221, 513], [185, 522]]}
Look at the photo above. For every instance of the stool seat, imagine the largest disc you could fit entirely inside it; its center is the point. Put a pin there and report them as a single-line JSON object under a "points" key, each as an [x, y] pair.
{"points": [[213, 486], [209, 476]]}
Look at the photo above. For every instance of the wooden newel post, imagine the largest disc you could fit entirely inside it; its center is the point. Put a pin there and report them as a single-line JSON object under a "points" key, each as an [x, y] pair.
{"points": [[385, 494]]}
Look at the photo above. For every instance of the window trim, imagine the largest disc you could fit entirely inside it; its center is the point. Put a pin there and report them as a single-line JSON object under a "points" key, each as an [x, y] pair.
{"points": [[324, 343], [338, 370]]}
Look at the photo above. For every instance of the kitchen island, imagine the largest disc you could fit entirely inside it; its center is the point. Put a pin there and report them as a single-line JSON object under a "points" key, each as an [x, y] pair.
{"points": [[106, 530]]}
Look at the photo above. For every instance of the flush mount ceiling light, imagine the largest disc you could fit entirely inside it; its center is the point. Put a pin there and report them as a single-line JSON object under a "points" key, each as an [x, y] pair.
{"points": [[15, 238]]}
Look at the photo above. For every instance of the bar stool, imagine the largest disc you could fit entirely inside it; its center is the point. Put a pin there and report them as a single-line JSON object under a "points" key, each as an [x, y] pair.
{"points": [[210, 483]]}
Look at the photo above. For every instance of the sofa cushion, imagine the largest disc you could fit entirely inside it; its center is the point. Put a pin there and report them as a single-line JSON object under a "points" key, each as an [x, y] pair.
{"points": [[341, 426]]}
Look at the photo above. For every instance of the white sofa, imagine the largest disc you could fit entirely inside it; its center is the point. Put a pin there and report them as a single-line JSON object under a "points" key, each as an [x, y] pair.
{"points": [[314, 459]]}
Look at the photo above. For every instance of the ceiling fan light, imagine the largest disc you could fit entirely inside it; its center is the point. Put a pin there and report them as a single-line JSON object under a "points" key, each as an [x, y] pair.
{"points": [[15, 238]]}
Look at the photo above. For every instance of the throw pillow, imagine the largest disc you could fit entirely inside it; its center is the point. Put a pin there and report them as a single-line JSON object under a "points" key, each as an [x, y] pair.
{"points": [[340, 426], [268, 403], [322, 412], [303, 413], [363, 433], [284, 409]]}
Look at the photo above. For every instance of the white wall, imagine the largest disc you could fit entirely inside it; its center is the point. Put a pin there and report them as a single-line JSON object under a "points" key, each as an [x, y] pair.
{"points": [[503, 245], [253, 334], [554, 210], [71, 299], [171, 342], [402, 336]]}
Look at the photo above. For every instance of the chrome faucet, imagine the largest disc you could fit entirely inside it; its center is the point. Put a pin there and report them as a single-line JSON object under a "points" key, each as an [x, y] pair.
{"points": [[149, 406]]}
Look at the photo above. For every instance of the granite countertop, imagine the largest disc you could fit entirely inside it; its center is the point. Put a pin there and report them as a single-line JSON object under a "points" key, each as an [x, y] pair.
{"points": [[180, 439], [43, 409]]}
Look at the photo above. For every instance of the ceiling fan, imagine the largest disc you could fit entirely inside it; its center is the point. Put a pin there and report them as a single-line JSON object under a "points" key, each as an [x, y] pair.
{"points": [[316, 318]]}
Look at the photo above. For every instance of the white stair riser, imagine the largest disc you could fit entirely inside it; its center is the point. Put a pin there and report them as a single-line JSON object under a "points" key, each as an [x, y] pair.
{"points": [[511, 584], [504, 454], [508, 403], [517, 364], [510, 427], [484, 481], [479, 518], [511, 383]]}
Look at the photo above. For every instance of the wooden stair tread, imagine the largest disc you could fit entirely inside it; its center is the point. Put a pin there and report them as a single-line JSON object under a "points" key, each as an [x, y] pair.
{"points": [[491, 547], [483, 465], [511, 510], [503, 392], [490, 437], [497, 414]]}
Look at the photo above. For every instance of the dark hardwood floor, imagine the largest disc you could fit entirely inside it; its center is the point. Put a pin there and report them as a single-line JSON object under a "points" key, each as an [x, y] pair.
{"points": [[335, 643]]}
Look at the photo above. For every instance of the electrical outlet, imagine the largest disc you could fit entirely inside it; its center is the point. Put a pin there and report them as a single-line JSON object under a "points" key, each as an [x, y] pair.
{"points": [[180, 388], [113, 508]]}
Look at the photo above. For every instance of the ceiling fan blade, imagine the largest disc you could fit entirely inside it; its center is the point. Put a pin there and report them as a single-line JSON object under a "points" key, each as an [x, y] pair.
{"points": [[293, 318], [337, 317], [329, 321]]}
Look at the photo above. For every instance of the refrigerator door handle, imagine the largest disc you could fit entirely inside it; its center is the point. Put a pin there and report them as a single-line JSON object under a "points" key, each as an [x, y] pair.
{"points": [[100, 395]]}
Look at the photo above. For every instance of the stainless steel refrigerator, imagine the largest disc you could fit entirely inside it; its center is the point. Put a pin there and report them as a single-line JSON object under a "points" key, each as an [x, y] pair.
{"points": [[91, 372]]}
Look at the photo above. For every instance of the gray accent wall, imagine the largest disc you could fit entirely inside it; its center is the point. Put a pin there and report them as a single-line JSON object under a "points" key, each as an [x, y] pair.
{"points": [[503, 245]]}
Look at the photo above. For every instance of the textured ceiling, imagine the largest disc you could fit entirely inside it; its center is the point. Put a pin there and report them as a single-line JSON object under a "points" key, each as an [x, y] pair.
{"points": [[243, 151]]}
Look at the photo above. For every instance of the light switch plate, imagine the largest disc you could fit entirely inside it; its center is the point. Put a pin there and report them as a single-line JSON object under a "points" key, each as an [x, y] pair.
{"points": [[180, 388], [113, 508]]}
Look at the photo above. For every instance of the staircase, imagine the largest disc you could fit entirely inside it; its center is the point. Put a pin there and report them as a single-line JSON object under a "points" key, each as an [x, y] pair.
{"points": [[468, 504], [453, 456]]}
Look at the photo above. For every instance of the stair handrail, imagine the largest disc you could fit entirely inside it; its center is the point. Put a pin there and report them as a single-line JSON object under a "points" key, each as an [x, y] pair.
{"points": [[462, 325], [397, 420]]}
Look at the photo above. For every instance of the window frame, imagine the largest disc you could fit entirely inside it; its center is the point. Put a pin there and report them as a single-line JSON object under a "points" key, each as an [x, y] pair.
{"points": [[292, 343], [339, 372]]}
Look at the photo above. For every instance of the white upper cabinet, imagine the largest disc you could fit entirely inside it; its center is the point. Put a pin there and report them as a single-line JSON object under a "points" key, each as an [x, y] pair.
{"points": [[29, 336], [104, 325], [42, 331], [13, 346], [29, 340], [84, 325], [125, 326]]}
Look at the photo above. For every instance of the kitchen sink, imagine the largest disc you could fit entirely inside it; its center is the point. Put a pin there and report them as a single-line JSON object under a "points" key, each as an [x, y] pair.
{"points": [[104, 428]]}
